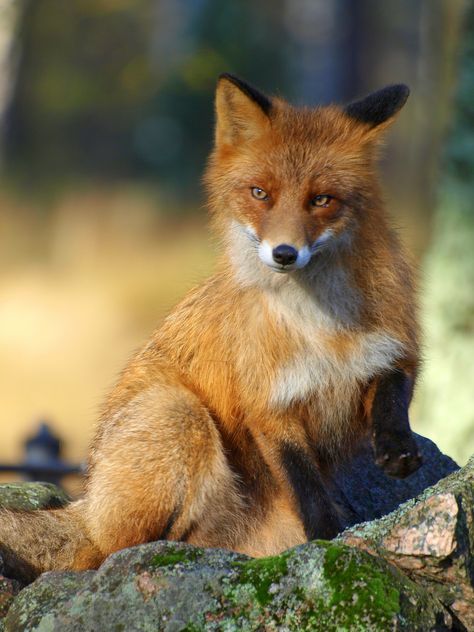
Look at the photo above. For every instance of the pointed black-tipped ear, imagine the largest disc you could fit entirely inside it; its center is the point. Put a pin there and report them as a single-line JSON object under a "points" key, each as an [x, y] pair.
{"points": [[379, 107], [255, 95], [242, 111]]}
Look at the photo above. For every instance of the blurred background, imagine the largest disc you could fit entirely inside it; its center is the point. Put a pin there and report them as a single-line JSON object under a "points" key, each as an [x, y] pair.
{"points": [[106, 113]]}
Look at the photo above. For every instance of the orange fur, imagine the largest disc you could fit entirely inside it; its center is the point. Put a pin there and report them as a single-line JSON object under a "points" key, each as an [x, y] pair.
{"points": [[188, 444]]}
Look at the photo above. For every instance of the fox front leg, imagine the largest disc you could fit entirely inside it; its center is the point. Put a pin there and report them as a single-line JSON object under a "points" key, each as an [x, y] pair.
{"points": [[318, 514], [395, 448]]}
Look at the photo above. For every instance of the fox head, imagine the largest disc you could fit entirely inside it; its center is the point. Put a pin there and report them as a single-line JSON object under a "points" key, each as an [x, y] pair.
{"points": [[286, 183]]}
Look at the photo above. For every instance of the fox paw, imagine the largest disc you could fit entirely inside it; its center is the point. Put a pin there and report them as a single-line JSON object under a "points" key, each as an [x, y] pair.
{"points": [[397, 455]]}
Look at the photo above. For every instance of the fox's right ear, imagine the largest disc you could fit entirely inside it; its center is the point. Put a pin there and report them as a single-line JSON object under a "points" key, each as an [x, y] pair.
{"points": [[242, 111]]}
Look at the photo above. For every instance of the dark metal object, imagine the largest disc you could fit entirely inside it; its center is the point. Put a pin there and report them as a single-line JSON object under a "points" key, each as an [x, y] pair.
{"points": [[42, 459]]}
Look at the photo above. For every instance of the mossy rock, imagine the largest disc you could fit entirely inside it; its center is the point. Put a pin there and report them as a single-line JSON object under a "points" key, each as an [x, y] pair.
{"points": [[431, 539], [24, 497], [172, 586], [8, 589], [31, 496], [167, 586]]}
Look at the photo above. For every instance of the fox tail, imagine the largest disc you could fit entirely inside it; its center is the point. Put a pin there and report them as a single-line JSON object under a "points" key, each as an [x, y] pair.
{"points": [[32, 542]]}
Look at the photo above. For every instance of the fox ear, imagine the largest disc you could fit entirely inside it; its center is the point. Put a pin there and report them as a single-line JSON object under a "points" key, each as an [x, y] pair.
{"points": [[242, 111], [379, 107]]}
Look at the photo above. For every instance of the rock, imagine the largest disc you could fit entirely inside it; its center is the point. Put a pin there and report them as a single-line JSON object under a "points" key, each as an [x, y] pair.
{"points": [[431, 539], [364, 492], [8, 589], [168, 586], [385, 580], [31, 496], [24, 497]]}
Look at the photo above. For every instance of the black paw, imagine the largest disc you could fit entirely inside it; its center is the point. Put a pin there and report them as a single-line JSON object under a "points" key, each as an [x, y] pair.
{"points": [[397, 454]]}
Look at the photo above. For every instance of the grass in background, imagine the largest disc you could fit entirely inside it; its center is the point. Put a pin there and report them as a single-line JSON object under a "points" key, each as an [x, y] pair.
{"points": [[81, 287]]}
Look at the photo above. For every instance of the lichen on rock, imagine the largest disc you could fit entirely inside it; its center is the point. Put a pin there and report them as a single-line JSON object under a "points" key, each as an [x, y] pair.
{"points": [[431, 538], [8, 589], [409, 570], [31, 496], [318, 586]]}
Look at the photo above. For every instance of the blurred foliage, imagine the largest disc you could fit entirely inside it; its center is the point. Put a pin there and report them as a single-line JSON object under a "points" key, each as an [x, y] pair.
{"points": [[81, 79], [458, 159], [446, 398], [104, 91], [113, 89]]}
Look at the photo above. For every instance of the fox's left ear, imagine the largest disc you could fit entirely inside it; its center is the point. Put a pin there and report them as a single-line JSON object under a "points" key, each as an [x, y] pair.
{"points": [[242, 111], [379, 109]]}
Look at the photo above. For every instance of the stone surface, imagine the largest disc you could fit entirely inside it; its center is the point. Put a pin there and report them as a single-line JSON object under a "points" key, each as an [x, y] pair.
{"points": [[31, 496], [365, 493], [431, 539], [319, 586], [8, 589]]}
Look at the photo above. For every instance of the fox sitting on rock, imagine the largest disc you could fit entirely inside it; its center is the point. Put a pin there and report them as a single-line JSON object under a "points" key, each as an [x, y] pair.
{"points": [[223, 430]]}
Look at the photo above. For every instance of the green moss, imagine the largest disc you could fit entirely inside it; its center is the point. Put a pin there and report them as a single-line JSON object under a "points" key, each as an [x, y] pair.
{"points": [[261, 574], [362, 593], [175, 556]]}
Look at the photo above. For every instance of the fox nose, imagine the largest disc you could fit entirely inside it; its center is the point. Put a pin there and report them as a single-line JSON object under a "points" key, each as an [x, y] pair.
{"points": [[284, 254]]}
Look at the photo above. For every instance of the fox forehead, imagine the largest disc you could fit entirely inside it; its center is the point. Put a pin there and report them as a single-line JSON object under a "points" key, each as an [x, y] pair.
{"points": [[325, 126], [314, 147]]}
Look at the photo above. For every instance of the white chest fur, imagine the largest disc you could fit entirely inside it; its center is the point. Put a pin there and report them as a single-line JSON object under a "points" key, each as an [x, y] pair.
{"points": [[320, 368], [333, 358], [317, 308]]}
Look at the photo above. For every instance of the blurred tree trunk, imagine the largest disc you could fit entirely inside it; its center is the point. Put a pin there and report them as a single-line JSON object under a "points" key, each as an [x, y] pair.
{"points": [[446, 397], [345, 49], [435, 70], [10, 13]]}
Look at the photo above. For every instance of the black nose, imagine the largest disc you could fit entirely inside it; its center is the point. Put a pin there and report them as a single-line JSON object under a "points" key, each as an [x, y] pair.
{"points": [[284, 254]]}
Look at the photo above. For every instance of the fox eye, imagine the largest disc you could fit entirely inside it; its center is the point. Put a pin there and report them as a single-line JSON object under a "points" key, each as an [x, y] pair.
{"points": [[321, 200], [259, 193]]}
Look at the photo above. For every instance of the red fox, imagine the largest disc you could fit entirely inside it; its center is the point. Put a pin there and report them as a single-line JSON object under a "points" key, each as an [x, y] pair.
{"points": [[222, 431]]}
